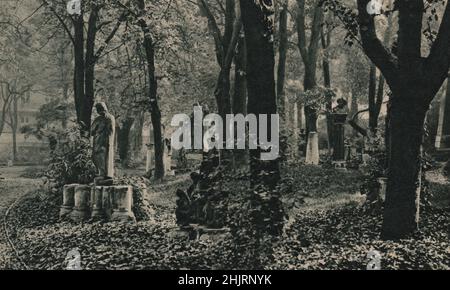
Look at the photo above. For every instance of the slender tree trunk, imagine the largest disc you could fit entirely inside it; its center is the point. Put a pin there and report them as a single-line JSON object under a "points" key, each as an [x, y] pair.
{"points": [[326, 40], [282, 52], [309, 53], [240, 82], [260, 86], [223, 92], [354, 109], [258, 27], [155, 112], [137, 134], [6, 97], [309, 83], [79, 74], [240, 157], [373, 117], [89, 73], [14, 124], [123, 141]]}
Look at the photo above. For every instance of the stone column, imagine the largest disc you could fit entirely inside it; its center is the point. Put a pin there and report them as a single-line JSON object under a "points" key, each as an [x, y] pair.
{"points": [[339, 120], [97, 203], [443, 132], [122, 202], [81, 202], [107, 201], [68, 200]]}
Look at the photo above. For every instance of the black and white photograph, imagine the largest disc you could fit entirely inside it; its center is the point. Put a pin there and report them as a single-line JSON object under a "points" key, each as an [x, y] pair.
{"points": [[222, 135]]}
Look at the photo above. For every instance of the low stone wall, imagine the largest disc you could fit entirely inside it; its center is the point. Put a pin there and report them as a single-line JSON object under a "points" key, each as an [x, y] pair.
{"points": [[97, 203]]}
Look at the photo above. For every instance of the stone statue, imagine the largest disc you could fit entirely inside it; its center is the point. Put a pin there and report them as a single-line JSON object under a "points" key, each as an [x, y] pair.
{"points": [[103, 133]]}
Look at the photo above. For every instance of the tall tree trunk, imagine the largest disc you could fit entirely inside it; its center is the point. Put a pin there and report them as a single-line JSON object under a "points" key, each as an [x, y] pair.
{"points": [[155, 112], [309, 53], [14, 125], [240, 157], [309, 83], [6, 98], [89, 73], [240, 80], [136, 133], [373, 116], [414, 81], [258, 27], [354, 109], [404, 165], [326, 41], [282, 52], [79, 74], [225, 46], [123, 141], [260, 85]]}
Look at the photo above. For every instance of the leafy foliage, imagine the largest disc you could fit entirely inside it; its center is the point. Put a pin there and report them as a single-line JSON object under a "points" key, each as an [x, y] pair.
{"points": [[71, 161]]}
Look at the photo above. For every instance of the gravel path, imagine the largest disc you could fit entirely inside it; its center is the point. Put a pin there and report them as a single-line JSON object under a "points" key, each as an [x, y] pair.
{"points": [[12, 187]]}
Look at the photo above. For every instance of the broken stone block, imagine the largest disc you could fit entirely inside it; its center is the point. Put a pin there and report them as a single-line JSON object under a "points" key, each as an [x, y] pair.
{"points": [[81, 203], [107, 201], [97, 203], [122, 203], [68, 200]]}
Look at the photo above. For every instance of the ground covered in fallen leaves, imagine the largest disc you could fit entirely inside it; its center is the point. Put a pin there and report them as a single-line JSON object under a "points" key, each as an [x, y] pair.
{"points": [[328, 228], [11, 189]]}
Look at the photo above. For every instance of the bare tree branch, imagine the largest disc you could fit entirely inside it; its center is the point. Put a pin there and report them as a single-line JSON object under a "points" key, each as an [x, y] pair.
{"points": [[61, 20], [438, 62], [214, 28], [373, 47]]}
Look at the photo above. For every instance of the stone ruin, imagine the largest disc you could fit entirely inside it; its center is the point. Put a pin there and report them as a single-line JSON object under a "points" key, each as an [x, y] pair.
{"points": [[102, 200], [97, 203]]}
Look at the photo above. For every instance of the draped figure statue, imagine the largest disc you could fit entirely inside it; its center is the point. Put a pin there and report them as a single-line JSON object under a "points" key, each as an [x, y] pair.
{"points": [[103, 133]]}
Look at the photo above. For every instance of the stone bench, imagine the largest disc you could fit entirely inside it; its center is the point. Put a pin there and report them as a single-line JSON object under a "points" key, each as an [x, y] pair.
{"points": [[108, 203]]}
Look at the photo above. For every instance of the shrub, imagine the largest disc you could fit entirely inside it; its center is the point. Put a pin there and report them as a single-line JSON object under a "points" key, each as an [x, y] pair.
{"points": [[71, 161]]}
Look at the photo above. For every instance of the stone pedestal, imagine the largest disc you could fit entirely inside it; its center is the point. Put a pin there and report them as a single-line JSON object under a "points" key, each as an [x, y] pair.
{"points": [[443, 132], [97, 203], [81, 203], [68, 200], [107, 201], [339, 120], [312, 149], [122, 202]]}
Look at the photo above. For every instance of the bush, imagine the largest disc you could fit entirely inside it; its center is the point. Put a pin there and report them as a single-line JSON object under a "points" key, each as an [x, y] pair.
{"points": [[71, 161]]}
